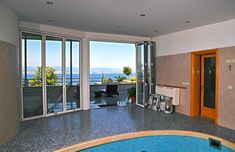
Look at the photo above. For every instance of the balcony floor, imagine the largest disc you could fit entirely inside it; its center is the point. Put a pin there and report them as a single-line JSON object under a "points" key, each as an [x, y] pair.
{"points": [[109, 101], [53, 133]]}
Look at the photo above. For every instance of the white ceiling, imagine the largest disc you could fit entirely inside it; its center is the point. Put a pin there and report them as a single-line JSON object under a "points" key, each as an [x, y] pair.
{"points": [[165, 16]]}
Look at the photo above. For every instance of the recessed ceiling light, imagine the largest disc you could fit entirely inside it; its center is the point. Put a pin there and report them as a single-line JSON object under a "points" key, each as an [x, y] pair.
{"points": [[142, 15], [187, 22], [49, 3], [49, 20]]}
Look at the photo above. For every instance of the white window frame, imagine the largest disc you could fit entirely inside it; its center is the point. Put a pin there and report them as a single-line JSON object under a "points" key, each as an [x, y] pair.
{"points": [[43, 64]]}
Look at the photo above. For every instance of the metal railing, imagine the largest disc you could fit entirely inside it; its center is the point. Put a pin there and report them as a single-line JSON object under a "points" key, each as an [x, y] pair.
{"points": [[75, 81]]}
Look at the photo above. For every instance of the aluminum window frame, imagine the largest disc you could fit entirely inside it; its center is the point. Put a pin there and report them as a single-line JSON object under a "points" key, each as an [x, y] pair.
{"points": [[43, 64]]}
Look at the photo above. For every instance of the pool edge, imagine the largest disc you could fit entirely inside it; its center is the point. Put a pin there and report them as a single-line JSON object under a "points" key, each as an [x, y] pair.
{"points": [[124, 136]]}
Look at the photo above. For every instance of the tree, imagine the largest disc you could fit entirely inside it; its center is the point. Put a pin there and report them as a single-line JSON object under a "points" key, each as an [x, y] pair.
{"points": [[120, 78], [51, 77], [127, 70]]}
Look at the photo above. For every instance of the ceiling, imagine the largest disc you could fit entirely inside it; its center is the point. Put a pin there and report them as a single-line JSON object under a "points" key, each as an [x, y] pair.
{"points": [[123, 16]]}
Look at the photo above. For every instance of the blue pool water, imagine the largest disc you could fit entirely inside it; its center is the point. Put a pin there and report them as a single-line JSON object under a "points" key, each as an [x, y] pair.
{"points": [[159, 144]]}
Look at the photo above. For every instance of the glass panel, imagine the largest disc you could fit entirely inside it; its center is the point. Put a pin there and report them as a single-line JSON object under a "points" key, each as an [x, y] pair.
{"points": [[54, 79], [140, 73], [149, 70], [209, 82], [72, 75], [31, 75]]}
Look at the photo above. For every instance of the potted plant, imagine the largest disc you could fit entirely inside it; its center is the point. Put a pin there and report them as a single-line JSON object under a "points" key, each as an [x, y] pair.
{"points": [[132, 94]]}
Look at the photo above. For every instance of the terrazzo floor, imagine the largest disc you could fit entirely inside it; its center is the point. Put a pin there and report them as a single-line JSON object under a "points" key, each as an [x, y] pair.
{"points": [[53, 133]]}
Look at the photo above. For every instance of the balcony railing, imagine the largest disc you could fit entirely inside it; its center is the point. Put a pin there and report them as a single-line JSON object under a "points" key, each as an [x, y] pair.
{"points": [[32, 97], [75, 81]]}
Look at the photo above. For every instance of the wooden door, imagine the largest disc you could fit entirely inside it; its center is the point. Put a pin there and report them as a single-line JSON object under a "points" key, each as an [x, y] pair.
{"points": [[208, 85], [195, 105]]}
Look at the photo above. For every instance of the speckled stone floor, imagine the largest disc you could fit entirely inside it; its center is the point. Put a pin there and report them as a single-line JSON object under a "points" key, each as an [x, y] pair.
{"points": [[60, 131]]}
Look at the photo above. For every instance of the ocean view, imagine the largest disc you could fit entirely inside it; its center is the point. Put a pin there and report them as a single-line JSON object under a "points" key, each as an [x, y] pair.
{"points": [[93, 77]]}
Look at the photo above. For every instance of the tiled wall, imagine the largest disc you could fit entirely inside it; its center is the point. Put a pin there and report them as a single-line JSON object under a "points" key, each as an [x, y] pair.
{"points": [[226, 107], [175, 70], [9, 92]]}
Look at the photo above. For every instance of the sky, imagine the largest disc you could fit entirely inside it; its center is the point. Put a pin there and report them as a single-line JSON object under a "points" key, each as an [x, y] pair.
{"points": [[102, 54], [112, 55]]}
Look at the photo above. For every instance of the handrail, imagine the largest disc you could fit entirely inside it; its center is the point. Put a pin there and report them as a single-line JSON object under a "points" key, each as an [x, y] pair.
{"points": [[60, 80]]}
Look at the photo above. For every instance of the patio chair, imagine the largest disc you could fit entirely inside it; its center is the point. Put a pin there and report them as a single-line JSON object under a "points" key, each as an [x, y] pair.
{"points": [[98, 94], [111, 90]]}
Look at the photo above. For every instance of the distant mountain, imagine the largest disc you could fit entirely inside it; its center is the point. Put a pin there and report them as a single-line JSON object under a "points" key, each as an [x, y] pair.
{"points": [[105, 70]]}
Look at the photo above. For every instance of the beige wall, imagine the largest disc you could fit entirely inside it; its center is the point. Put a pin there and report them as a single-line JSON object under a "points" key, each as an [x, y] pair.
{"points": [[226, 110], [8, 25], [82, 34], [9, 74], [9, 92], [175, 70], [218, 35]]}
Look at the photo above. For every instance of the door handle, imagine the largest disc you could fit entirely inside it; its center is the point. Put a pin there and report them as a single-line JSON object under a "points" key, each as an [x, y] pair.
{"points": [[198, 71]]}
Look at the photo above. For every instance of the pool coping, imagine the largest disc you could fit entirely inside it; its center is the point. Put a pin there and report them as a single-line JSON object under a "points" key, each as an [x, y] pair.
{"points": [[105, 140]]}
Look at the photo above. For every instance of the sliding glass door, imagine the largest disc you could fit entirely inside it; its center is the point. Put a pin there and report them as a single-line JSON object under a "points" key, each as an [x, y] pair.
{"points": [[31, 78], [72, 75], [54, 75], [140, 73], [50, 75], [145, 75]]}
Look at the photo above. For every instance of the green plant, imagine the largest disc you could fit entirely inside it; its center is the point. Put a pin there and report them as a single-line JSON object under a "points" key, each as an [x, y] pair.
{"points": [[132, 92], [120, 78], [107, 80], [127, 70], [51, 77]]}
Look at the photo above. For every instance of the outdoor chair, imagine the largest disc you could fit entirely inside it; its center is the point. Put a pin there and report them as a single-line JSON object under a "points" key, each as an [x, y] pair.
{"points": [[111, 90]]}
